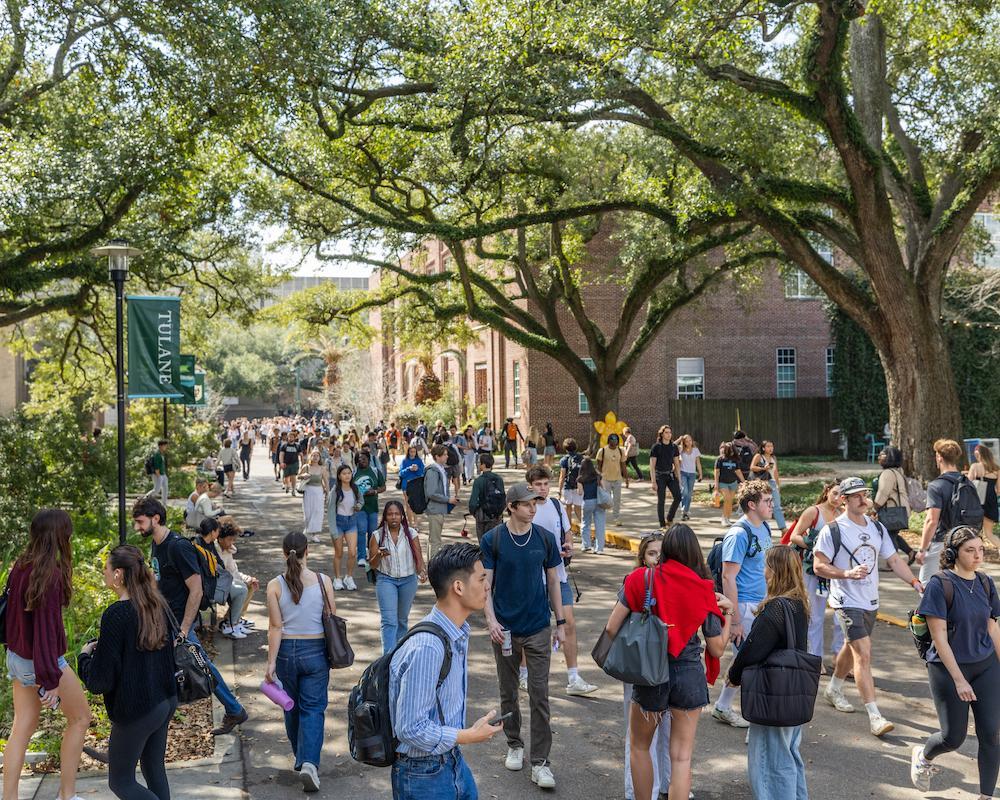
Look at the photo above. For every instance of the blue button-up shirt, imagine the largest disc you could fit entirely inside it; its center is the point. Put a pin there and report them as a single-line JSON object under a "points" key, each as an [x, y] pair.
{"points": [[413, 677]]}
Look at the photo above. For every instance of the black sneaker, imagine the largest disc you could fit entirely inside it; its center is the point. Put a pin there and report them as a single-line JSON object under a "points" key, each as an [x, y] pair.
{"points": [[230, 721]]}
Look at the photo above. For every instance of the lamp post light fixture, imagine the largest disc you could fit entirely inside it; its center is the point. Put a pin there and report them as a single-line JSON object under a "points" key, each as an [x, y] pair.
{"points": [[118, 253]]}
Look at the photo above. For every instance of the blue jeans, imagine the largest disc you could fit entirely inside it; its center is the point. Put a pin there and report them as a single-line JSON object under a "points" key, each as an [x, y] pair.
{"points": [[779, 515], [444, 777], [367, 523], [774, 765], [593, 513], [688, 480], [395, 596], [304, 672], [222, 692]]}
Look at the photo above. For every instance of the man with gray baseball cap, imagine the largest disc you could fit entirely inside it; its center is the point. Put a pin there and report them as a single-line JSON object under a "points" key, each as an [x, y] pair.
{"points": [[518, 616], [846, 554]]}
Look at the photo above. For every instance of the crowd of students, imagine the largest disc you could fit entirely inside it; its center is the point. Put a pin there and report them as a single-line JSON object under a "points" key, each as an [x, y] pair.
{"points": [[754, 595]]}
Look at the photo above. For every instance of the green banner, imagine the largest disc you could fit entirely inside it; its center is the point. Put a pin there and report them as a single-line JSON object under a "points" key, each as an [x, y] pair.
{"points": [[199, 389], [187, 369], [154, 345]]}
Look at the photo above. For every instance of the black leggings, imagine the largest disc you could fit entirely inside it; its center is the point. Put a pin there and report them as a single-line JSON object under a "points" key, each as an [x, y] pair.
{"points": [[664, 481], [900, 542], [953, 714], [633, 461], [142, 741], [245, 462]]}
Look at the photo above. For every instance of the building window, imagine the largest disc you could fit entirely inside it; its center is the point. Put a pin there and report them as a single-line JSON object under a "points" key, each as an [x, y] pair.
{"points": [[582, 402], [479, 383], [992, 224], [691, 378], [517, 388], [786, 371], [829, 372], [799, 286]]}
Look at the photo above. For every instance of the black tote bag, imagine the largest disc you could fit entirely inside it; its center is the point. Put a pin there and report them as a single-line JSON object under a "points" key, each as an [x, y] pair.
{"points": [[338, 649], [780, 692]]}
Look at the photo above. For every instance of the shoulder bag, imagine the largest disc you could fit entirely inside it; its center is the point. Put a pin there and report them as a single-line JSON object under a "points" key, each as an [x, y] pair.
{"points": [[780, 692], [895, 518], [637, 654], [338, 649], [604, 498], [192, 673]]}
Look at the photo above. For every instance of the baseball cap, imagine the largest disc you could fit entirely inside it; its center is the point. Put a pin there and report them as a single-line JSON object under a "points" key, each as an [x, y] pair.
{"points": [[521, 492], [850, 486]]}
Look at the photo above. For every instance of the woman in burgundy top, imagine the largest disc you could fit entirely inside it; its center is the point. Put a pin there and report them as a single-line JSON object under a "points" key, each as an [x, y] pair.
{"points": [[40, 585]]}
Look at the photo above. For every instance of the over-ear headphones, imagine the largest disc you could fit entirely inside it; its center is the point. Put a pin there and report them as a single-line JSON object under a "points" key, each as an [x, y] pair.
{"points": [[950, 550]]}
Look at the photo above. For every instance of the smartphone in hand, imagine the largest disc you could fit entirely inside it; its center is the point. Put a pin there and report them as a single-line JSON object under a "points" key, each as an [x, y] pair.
{"points": [[498, 720]]}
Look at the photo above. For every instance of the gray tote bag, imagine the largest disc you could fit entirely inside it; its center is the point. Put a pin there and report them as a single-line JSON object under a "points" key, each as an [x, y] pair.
{"points": [[638, 653]]}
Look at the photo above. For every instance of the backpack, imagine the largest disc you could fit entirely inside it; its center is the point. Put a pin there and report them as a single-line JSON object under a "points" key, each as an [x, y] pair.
{"points": [[546, 540], [917, 624], [837, 539], [493, 499], [744, 455], [415, 495], [562, 529], [916, 494], [148, 464], [714, 560], [369, 718], [453, 456], [573, 471], [965, 508], [216, 580]]}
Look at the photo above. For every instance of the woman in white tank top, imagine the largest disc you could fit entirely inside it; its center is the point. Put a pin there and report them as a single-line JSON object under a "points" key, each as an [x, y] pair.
{"points": [[296, 652]]}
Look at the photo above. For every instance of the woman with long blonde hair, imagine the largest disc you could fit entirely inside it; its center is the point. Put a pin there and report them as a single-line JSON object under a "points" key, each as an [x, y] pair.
{"points": [[774, 765]]}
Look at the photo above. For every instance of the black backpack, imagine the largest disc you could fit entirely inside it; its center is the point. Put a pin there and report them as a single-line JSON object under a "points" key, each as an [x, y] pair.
{"points": [[714, 560], [837, 540], [453, 456], [369, 718], [148, 464], [493, 500], [415, 495], [965, 508], [546, 540], [573, 471], [917, 625], [744, 455]]}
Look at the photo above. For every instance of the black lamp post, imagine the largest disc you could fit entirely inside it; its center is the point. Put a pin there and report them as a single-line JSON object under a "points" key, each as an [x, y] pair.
{"points": [[118, 253]]}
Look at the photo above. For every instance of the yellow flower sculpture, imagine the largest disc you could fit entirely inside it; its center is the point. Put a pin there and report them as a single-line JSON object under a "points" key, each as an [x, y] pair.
{"points": [[611, 424]]}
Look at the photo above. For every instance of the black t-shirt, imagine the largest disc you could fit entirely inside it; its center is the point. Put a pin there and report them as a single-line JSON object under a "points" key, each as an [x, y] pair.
{"points": [[291, 452], [664, 455], [727, 469], [173, 562]]}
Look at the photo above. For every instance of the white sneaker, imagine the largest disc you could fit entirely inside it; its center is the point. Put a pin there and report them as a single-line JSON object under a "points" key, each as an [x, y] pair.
{"points": [[338, 584], [244, 629], [836, 698], [729, 716], [515, 759], [349, 584], [578, 686], [880, 725], [542, 775], [362, 562], [522, 683], [310, 779], [921, 770], [314, 539], [231, 632]]}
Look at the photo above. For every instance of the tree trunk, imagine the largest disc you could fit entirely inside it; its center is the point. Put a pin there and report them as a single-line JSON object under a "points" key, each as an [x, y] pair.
{"points": [[604, 397]]}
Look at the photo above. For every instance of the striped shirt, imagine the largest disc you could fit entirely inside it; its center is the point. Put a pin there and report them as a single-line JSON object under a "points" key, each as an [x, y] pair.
{"points": [[413, 676]]}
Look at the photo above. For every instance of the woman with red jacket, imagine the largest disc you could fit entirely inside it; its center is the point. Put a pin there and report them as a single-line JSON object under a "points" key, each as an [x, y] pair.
{"points": [[684, 597], [39, 587]]}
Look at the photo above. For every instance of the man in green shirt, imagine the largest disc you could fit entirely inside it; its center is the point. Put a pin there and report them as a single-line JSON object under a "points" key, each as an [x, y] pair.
{"points": [[160, 471], [370, 483]]}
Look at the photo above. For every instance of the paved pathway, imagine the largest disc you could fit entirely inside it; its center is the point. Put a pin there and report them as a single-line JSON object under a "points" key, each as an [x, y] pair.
{"points": [[842, 759]]}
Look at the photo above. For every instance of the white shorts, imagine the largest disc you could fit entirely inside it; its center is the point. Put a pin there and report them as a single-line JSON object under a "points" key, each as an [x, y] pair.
{"points": [[572, 498]]}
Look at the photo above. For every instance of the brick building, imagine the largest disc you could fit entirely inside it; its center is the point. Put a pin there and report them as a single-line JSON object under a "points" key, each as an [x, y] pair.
{"points": [[769, 341]]}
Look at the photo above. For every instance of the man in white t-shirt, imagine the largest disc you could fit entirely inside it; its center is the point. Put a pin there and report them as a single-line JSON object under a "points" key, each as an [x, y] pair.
{"points": [[852, 569], [550, 515]]}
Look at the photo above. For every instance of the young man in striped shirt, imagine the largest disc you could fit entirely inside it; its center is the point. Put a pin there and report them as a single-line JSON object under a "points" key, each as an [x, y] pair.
{"points": [[428, 722]]}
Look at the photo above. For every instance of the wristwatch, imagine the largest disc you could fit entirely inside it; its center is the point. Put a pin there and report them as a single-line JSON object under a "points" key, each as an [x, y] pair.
{"points": [[560, 622]]}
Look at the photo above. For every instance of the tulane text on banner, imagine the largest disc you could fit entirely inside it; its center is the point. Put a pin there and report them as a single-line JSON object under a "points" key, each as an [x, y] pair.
{"points": [[154, 345]]}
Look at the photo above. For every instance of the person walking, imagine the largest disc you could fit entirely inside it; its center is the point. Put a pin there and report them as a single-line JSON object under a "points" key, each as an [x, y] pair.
{"points": [[828, 507], [593, 514], [412, 466], [394, 554], [275, 440], [764, 467], [569, 478], [892, 494], [962, 664], [178, 577], [611, 466], [486, 500], [39, 587], [439, 502], [631, 447], [227, 460], [428, 715], [132, 665], [370, 483], [288, 460], [774, 764], [246, 452], [665, 472], [296, 652], [549, 446], [684, 598], [846, 554], [160, 487], [515, 554], [728, 477], [315, 488], [469, 453], [985, 470], [345, 505], [691, 472], [511, 435]]}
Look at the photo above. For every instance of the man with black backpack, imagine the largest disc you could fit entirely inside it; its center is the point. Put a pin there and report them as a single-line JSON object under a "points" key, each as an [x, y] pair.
{"points": [[746, 448], [952, 500], [488, 497]]}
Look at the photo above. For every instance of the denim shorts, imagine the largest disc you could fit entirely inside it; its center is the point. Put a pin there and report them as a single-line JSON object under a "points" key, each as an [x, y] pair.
{"points": [[729, 487], [686, 691], [566, 592], [346, 524], [23, 669]]}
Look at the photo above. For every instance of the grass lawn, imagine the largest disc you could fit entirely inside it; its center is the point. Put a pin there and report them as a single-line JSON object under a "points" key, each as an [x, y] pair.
{"points": [[789, 466]]}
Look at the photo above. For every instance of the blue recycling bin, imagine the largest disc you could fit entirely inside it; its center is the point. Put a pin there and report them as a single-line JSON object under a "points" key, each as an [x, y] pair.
{"points": [[970, 449]]}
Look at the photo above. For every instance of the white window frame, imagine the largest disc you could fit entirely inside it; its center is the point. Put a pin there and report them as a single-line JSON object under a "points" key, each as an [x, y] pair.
{"points": [[582, 403], [831, 356], [686, 369], [991, 222], [516, 379], [781, 355], [799, 286]]}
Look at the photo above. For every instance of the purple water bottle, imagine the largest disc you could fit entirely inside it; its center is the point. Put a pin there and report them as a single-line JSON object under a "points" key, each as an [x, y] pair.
{"points": [[277, 695]]}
